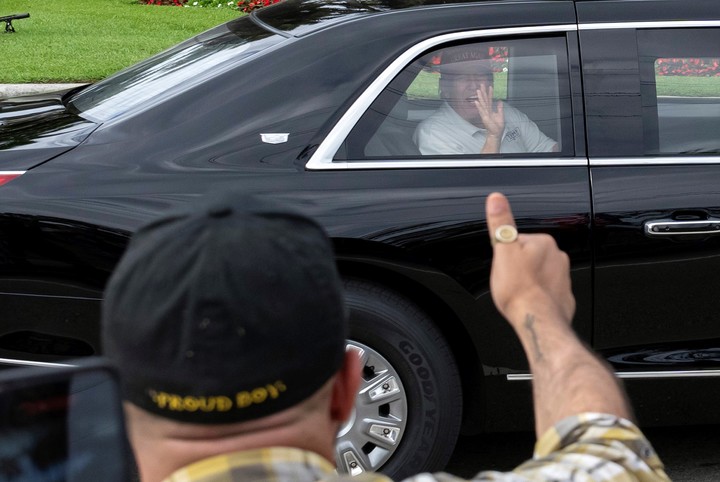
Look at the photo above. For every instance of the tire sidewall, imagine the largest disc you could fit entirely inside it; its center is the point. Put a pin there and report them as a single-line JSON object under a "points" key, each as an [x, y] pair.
{"points": [[406, 338]]}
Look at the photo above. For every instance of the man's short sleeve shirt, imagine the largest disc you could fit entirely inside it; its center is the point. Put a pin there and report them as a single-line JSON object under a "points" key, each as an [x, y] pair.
{"points": [[446, 133]]}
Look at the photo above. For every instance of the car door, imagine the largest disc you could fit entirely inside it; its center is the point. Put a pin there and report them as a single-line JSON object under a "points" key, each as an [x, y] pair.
{"points": [[428, 204], [652, 86]]}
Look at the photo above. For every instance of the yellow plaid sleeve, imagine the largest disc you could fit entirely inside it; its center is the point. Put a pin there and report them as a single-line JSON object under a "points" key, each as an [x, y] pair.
{"points": [[594, 447], [589, 447]]}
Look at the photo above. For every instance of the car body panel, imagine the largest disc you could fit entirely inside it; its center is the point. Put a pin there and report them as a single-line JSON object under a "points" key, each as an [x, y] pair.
{"points": [[634, 183], [36, 129]]}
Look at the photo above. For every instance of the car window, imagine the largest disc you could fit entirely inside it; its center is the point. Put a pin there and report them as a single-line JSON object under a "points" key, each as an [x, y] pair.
{"points": [[507, 98], [173, 71], [680, 89]]}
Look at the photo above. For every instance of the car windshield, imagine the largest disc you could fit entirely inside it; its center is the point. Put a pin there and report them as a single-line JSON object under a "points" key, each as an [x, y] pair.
{"points": [[173, 71]]}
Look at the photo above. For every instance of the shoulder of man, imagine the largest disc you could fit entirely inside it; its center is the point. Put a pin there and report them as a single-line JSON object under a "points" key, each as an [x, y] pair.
{"points": [[438, 118]]}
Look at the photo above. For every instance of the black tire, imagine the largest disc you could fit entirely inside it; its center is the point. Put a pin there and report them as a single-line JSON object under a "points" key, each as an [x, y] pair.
{"points": [[404, 342]]}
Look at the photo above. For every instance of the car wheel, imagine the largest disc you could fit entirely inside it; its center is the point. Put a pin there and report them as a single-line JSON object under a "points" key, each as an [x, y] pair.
{"points": [[409, 406]]}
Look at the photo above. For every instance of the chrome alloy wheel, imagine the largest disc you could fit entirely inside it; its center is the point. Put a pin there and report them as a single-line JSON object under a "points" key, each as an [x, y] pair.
{"points": [[376, 426]]}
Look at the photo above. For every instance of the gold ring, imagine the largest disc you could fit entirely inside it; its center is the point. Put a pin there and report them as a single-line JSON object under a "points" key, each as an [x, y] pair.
{"points": [[505, 234]]}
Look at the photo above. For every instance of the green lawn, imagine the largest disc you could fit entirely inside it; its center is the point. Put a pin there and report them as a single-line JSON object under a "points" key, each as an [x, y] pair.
{"points": [[425, 86], [688, 86], [86, 40]]}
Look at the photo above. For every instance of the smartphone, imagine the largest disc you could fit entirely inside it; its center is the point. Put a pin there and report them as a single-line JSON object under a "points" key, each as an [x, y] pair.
{"points": [[63, 424]]}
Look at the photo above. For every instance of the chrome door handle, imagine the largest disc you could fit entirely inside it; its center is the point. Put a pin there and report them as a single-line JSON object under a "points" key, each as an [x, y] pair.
{"points": [[670, 227]]}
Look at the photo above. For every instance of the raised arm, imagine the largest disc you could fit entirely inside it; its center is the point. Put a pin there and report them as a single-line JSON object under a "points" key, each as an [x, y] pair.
{"points": [[530, 283]]}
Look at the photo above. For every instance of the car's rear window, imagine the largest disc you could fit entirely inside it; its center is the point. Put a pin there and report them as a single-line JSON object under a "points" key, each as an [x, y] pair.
{"points": [[173, 71]]}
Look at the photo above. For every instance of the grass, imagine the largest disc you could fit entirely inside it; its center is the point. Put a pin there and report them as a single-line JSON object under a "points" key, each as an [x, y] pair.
{"points": [[86, 40], [425, 86], [688, 86]]}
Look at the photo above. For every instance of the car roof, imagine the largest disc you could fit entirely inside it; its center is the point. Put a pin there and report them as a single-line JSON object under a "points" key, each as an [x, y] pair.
{"points": [[300, 17], [296, 18]]}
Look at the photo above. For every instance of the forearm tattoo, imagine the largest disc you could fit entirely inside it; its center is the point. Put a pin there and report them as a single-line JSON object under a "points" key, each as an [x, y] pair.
{"points": [[529, 326]]}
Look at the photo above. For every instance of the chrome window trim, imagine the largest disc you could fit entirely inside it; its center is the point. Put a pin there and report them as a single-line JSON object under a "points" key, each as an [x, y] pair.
{"points": [[654, 161], [516, 377], [322, 159], [28, 363], [644, 25], [12, 173], [455, 163], [424, 163]]}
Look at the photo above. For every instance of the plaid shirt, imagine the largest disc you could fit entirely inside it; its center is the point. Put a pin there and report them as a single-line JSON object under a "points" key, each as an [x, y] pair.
{"points": [[583, 448]]}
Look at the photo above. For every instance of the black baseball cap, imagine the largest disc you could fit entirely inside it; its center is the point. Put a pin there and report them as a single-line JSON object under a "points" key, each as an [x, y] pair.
{"points": [[225, 311]]}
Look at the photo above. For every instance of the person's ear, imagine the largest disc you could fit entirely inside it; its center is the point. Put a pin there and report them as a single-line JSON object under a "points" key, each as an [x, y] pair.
{"points": [[345, 387]]}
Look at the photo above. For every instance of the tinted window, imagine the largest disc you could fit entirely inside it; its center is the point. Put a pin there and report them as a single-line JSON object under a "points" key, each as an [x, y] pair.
{"points": [[680, 88], [440, 107], [173, 71]]}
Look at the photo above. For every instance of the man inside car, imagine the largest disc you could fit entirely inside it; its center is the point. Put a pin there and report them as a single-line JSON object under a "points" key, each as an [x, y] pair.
{"points": [[470, 121]]}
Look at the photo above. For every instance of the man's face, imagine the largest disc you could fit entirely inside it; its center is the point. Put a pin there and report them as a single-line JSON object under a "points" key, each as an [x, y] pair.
{"points": [[460, 91]]}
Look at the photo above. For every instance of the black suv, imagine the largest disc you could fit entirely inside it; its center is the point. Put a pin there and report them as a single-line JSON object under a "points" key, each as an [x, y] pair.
{"points": [[610, 142]]}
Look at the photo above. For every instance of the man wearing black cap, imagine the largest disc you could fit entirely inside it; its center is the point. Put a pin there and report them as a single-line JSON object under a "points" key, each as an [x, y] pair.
{"points": [[228, 327], [470, 121]]}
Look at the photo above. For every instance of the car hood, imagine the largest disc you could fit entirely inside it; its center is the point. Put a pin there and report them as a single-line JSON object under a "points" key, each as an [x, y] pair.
{"points": [[34, 129]]}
